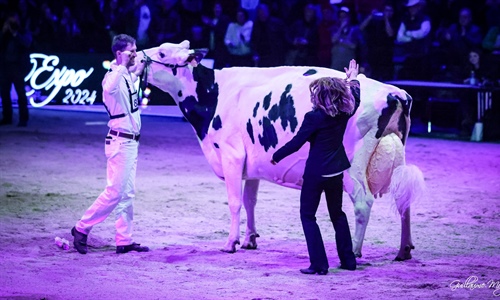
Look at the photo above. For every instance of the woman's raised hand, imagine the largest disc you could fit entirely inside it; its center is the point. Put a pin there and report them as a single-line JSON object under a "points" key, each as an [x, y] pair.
{"points": [[353, 70]]}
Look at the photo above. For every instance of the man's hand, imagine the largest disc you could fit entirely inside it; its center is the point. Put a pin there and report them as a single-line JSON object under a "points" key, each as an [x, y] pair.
{"points": [[125, 58]]}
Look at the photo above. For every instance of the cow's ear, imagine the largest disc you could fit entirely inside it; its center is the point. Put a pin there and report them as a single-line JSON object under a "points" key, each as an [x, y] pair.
{"points": [[197, 55], [184, 44]]}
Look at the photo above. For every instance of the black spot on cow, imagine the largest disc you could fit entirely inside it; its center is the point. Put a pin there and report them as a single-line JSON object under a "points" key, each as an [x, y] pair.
{"points": [[216, 145], [179, 94], [269, 138], [250, 130], [217, 123], [287, 110], [310, 72], [200, 113], [387, 113], [274, 113], [385, 116], [255, 109], [267, 101], [402, 125]]}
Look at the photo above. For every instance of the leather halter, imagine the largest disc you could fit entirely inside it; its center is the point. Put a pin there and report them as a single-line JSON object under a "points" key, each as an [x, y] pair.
{"points": [[148, 61]]}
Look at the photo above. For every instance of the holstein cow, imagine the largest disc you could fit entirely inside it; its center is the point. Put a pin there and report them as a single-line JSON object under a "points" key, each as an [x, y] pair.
{"points": [[242, 115]]}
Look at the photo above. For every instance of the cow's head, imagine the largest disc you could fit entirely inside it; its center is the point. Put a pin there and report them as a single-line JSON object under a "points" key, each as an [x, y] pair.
{"points": [[169, 67], [175, 54], [175, 69]]}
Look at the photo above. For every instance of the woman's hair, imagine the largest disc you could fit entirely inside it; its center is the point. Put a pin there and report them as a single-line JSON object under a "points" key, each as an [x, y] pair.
{"points": [[332, 95]]}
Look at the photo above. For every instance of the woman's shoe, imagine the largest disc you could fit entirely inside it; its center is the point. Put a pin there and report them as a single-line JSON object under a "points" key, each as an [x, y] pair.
{"points": [[313, 271]]}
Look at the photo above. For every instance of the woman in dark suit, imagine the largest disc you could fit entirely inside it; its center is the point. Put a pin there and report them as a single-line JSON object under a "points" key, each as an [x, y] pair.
{"points": [[334, 102]]}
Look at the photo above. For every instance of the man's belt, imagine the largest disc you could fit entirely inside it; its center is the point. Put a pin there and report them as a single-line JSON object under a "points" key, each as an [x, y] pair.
{"points": [[125, 135]]}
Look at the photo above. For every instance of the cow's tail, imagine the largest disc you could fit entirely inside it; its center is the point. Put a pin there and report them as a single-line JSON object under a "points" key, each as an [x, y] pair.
{"points": [[407, 186]]}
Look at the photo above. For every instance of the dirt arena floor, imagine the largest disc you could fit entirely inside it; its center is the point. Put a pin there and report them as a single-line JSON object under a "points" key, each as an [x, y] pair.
{"points": [[51, 171]]}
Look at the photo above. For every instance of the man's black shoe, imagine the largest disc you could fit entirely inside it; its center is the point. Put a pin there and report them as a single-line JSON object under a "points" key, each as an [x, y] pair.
{"points": [[80, 241], [22, 124], [310, 271], [132, 247]]}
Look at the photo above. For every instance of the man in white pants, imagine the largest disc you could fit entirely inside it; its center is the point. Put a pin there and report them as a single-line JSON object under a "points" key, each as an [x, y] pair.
{"points": [[121, 148]]}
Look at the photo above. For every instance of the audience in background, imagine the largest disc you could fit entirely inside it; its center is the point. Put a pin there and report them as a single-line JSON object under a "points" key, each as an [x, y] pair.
{"points": [[348, 42], [379, 30], [15, 44], [327, 23], [476, 71], [456, 41], [268, 39], [166, 22], [217, 23], [237, 40], [302, 39], [413, 42], [68, 32], [390, 31], [137, 20]]}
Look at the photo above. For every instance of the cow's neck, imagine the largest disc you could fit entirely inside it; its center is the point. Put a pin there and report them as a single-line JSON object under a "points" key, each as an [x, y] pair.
{"points": [[199, 109]]}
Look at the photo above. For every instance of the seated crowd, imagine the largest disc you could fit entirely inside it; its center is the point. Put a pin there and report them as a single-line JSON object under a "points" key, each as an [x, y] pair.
{"points": [[410, 39]]}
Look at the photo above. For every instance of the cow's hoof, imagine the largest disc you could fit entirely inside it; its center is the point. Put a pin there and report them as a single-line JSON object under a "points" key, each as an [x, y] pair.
{"points": [[231, 248], [252, 243], [358, 254], [405, 254]]}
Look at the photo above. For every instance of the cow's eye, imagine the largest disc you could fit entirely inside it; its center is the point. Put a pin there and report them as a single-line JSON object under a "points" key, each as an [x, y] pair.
{"points": [[162, 55]]}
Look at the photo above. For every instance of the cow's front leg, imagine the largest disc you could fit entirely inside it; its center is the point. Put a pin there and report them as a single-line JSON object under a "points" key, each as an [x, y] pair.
{"points": [[233, 174], [362, 208], [249, 201], [406, 243]]}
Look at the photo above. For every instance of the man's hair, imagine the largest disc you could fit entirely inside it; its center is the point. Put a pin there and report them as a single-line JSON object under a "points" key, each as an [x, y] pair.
{"points": [[120, 42], [332, 95]]}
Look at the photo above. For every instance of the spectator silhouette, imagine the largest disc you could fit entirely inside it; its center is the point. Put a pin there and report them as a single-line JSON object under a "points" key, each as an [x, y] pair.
{"points": [[191, 16], [70, 35], [302, 38], [412, 43], [483, 72], [459, 38], [45, 34], [113, 18], [379, 30], [216, 24], [348, 42], [166, 22], [325, 31], [268, 38], [237, 40], [137, 20], [15, 42]]}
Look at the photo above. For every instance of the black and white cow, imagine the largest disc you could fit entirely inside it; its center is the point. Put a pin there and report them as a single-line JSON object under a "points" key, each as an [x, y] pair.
{"points": [[242, 115]]}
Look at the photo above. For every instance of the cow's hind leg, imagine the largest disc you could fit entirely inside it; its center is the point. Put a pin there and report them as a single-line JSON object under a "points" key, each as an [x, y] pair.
{"points": [[249, 202], [407, 185], [406, 243]]}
